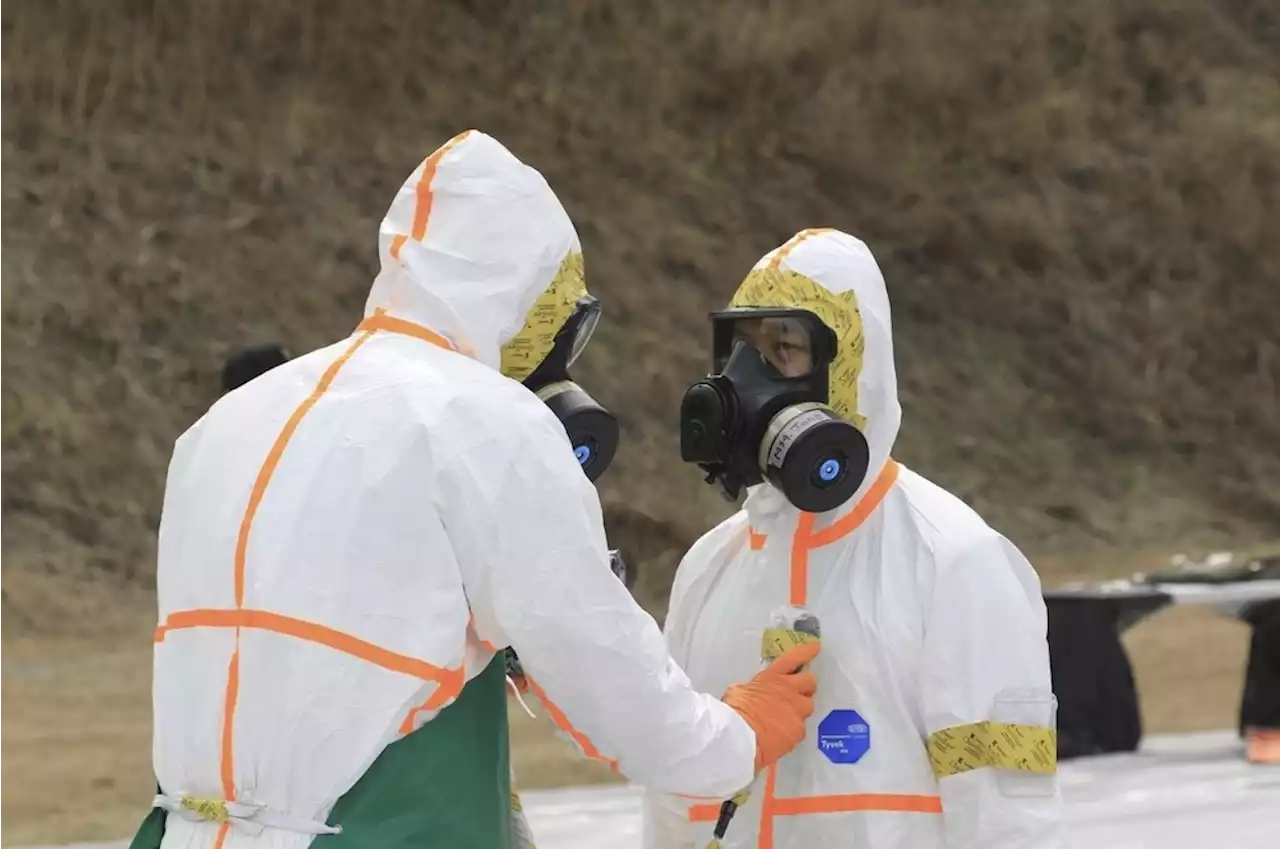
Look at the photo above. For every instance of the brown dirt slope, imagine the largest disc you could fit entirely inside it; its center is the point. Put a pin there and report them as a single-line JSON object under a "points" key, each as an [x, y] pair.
{"points": [[1074, 205]]}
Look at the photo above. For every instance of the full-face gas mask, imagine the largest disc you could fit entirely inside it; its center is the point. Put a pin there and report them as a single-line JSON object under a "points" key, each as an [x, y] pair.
{"points": [[761, 414], [593, 430]]}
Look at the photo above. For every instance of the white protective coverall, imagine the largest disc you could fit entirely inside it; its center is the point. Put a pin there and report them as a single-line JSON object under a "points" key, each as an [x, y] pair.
{"points": [[931, 622], [348, 539]]}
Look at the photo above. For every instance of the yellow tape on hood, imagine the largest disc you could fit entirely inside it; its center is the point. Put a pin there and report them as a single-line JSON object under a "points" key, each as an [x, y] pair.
{"points": [[777, 287], [525, 351]]}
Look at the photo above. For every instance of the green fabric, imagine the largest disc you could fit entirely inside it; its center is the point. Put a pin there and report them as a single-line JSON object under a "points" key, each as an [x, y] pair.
{"points": [[446, 785], [151, 832]]}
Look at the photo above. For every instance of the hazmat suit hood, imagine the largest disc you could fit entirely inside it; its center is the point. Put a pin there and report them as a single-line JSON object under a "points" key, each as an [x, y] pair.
{"points": [[478, 248], [834, 276]]}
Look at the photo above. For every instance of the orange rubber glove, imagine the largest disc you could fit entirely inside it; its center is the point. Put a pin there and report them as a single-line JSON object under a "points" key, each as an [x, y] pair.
{"points": [[776, 703]]}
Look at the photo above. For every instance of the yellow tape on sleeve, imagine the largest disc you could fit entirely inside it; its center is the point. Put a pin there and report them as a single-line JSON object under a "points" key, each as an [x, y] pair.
{"points": [[1002, 745]]}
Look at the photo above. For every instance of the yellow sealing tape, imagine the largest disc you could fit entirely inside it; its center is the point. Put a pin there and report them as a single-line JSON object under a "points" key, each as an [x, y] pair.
{"points": [[214, 810], [1021, 748], [775, 642], [784, 287], [525, 351]]}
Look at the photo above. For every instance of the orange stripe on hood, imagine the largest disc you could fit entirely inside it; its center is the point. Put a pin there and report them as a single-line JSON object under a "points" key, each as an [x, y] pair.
{"points": [[422, 209], [794, 243]]}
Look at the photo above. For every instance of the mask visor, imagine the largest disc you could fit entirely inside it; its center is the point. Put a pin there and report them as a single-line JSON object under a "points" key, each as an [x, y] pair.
{"points": [[793, 343], [581, 326]]}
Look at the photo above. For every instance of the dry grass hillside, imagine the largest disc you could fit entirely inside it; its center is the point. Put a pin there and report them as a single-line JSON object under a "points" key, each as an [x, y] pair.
{"points": [[1074, 205]]}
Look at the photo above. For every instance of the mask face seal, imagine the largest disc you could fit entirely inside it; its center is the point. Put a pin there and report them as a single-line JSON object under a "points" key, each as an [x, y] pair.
{"points": [[761, 415], [592, 430]]}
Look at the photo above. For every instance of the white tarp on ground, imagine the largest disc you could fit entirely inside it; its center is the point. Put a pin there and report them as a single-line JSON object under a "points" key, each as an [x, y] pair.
{"points": [[1181, 792], [1188, 791]]}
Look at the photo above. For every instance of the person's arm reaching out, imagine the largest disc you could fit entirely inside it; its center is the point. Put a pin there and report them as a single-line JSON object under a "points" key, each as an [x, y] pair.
{"points": [[527, 530]]}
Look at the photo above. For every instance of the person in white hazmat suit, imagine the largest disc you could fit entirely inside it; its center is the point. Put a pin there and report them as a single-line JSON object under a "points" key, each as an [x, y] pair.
{"points": [[934, 723], [350, 540]]}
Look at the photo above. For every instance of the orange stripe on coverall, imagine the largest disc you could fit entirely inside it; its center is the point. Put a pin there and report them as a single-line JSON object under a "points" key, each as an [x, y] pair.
{"points": [[426, 197], [773, 806], [799, 589], [562, 722], [434, 702], [265, 473], [847, 803], [805, 540], [766, 809], [268, 469], [448, 679], [381, 321], [852, 520]]}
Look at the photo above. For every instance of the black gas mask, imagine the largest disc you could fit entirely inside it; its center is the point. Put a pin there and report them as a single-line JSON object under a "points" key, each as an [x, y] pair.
{"points": [[593, 430], [761, 414]]}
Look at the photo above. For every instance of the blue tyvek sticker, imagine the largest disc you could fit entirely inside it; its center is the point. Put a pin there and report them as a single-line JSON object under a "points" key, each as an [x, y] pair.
{"points": [[844, 737]]}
